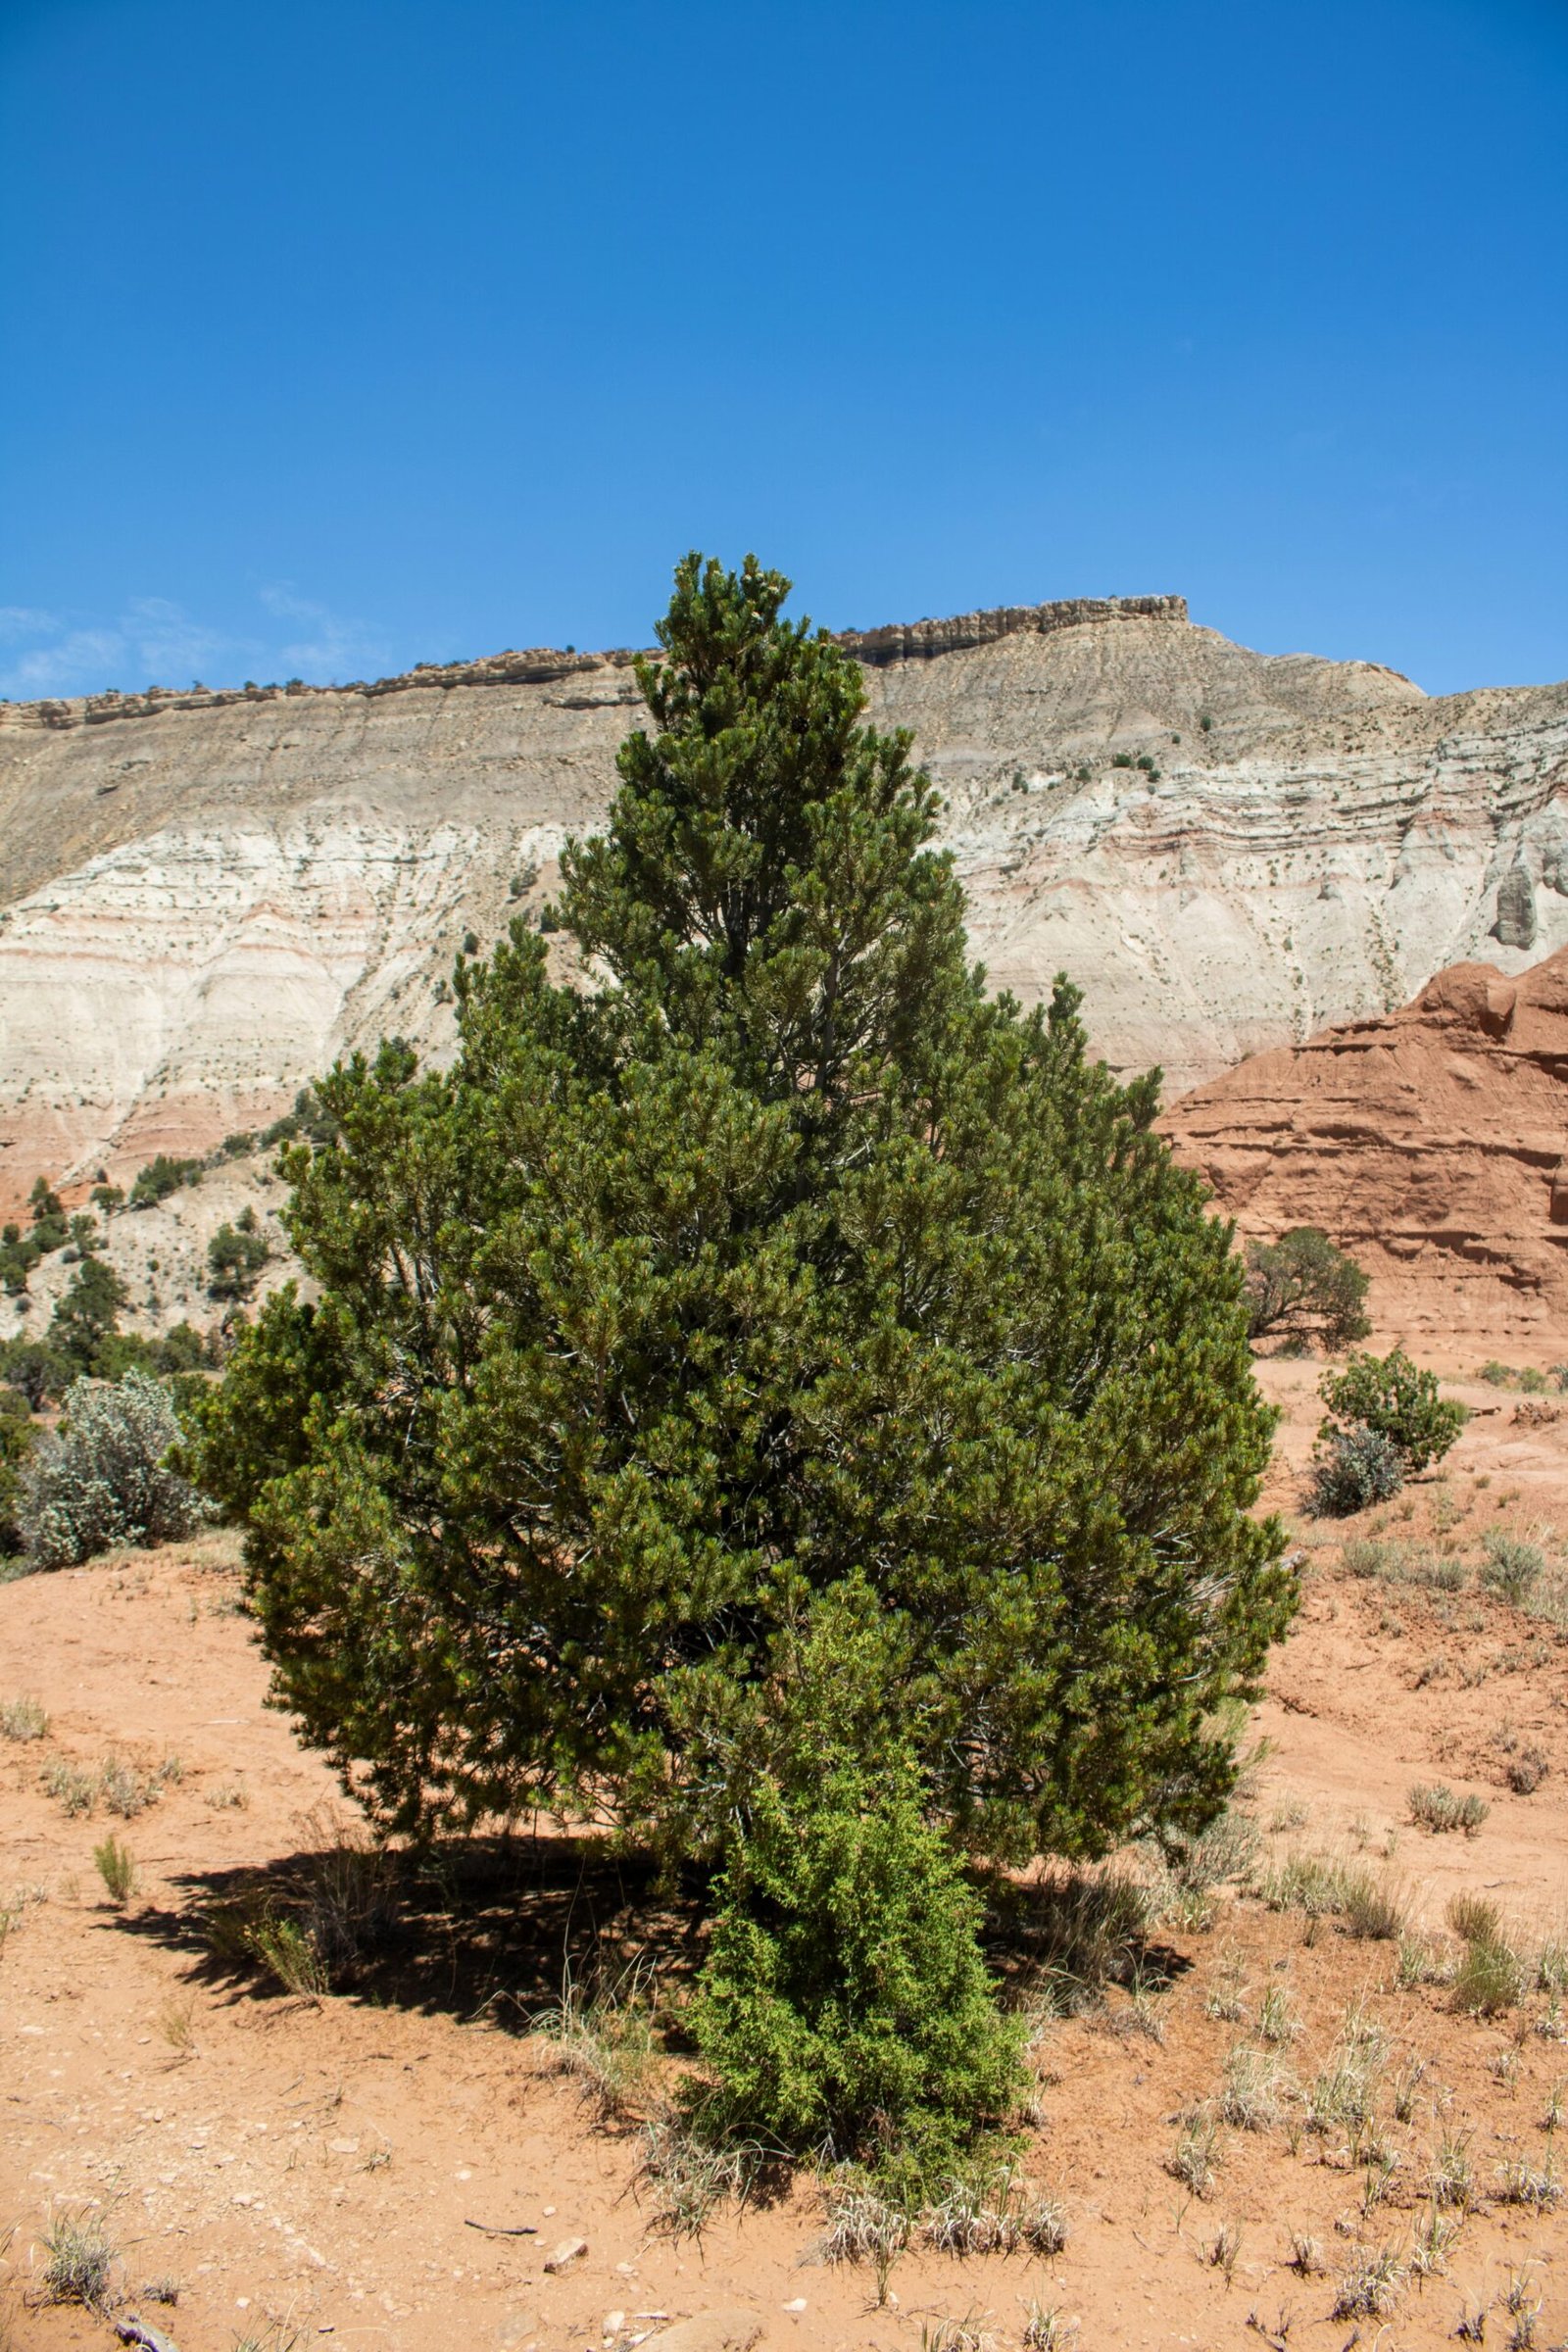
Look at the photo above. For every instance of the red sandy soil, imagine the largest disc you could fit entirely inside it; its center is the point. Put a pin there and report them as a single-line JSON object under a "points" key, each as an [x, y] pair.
{"points": [[306, 2170]]}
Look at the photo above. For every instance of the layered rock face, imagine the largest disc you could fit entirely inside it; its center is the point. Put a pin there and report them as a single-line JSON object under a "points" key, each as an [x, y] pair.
{"points": [[1430, 1142], [203, 897]]}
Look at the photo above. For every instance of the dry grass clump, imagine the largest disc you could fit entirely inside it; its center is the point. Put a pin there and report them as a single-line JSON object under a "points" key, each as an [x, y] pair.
{"points": [[1372, 1908], [1084, 1929], [22, 1719], [288, 1953], [79, 2258], [1255, 2088], [1277, 2021], [993, 2213], [1451, 2178], [1491, 1977], [1475, 1917], [604, 2039], [1310, 1884], [1048, 2328], [1195, 2160], [691, 2177], [1536, 2185], [1369, 2285], [1431, 2240]]}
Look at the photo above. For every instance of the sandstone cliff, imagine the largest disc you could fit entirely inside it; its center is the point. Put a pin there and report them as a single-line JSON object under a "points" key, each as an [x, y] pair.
{"points": [[204, 897], [1430, 1142]]}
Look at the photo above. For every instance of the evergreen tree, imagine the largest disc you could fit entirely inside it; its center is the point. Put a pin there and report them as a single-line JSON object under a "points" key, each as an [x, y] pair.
{"points": [[784, 1263], [88, 1314]]}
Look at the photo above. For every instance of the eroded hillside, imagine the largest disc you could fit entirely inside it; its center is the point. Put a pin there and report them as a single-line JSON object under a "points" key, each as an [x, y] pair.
{"points": [[205, 896]]}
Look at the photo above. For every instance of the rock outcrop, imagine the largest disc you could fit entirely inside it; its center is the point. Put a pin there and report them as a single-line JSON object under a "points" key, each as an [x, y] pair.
{"points": [[206, 896], [1430, 1142]]}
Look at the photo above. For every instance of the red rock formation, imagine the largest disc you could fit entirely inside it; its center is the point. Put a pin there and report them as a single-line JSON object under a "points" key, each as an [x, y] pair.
{"points": [[1430, 1142]]}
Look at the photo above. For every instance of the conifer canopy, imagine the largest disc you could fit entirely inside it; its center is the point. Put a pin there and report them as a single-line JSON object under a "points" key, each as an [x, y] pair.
{"points": [[775, 1265]]}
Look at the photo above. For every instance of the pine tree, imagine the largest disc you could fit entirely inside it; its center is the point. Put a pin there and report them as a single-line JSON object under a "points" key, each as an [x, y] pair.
{"points": [[786, 1259]]}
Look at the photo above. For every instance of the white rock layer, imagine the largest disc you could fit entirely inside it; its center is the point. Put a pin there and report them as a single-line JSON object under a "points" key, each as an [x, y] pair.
{"points": [[204, 899]]}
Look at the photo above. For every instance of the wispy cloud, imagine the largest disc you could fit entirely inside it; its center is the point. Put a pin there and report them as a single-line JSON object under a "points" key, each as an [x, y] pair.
{"points": [[20, 621], [336, 647], [154, 641]]}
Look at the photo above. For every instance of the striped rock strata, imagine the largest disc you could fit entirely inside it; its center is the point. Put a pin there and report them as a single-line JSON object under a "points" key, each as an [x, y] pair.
{"points": [[204, 897]]}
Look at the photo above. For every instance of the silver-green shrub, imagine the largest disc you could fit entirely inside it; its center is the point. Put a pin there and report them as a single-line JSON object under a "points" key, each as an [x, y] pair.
{"points": [[101, 1479]]}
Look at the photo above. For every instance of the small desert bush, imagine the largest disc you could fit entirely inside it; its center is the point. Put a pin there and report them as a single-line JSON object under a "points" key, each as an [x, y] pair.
{"points": [[1392, 1397], [126, 1791], [1439, 1572], [1436, 1807], [1351, 1470], [1511, 1567], [22, 1719], [71, 1785], [288, 1953], [116, 1868], [101, 1481], [79, 2258], [1365, 1557], [1526, 1771]]}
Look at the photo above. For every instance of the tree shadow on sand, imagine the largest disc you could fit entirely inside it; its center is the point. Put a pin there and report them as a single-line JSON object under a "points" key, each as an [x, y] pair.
{"points": [[506, 1926]]}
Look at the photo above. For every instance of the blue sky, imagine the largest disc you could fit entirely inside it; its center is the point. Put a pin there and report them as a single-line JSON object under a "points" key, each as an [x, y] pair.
{"points": [[347, 334]]}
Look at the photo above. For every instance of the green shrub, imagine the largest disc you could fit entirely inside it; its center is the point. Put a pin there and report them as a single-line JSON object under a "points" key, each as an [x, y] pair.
{"points": [[16, 1444], [161, 1177], [1395, 1398], [102, 1480], [845, 1996], [37, 1370], [88, 1316], [235, 1256], [1302, 1285]]}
